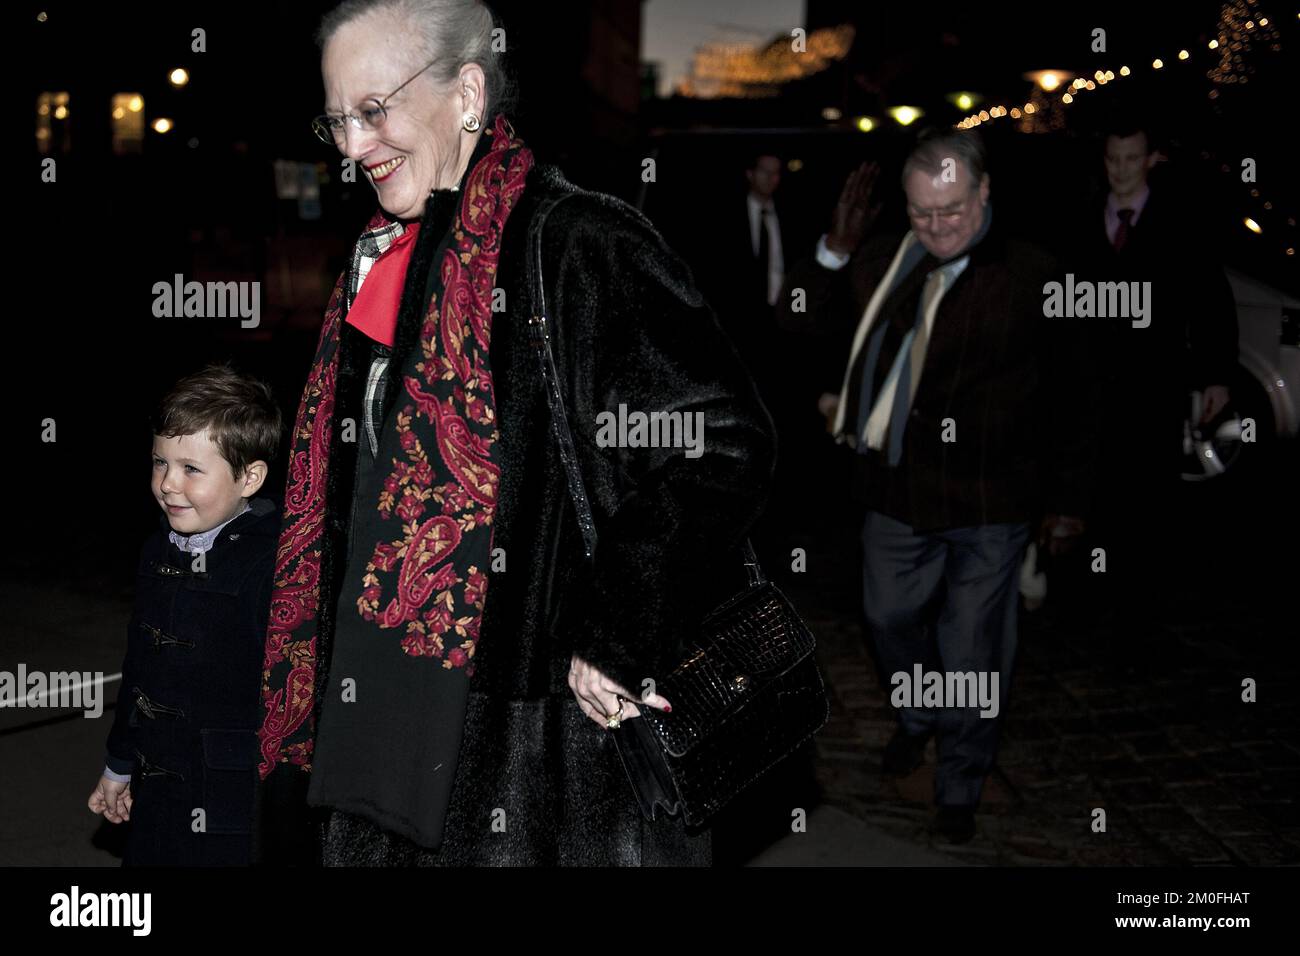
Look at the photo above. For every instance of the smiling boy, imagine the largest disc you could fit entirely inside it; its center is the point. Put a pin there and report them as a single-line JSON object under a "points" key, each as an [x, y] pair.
{"points": [[183, 745]]}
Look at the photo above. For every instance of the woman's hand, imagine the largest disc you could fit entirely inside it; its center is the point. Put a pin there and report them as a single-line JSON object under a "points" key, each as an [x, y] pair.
{"points": [[598, 696]]}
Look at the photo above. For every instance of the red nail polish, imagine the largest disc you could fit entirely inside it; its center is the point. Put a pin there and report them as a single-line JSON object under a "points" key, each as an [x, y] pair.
{"points": [[668, 708]]}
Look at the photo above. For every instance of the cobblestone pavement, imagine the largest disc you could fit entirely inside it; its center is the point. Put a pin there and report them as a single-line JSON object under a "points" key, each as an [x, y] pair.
{"points": [[1187, 772]]}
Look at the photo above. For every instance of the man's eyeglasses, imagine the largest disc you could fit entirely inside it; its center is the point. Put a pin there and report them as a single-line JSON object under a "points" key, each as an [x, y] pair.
{"points": [[948, 214], [329, 126]]}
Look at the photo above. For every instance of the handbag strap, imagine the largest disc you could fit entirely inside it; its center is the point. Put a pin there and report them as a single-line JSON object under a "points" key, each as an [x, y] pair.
{"points": [[539, 334]]}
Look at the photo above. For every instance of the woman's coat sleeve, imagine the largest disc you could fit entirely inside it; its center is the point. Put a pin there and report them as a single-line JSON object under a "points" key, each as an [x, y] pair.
{"points": [[641, 336]]}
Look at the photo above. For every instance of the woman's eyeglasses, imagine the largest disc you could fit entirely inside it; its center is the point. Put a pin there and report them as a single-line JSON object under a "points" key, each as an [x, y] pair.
{"points": [[329, 126]]}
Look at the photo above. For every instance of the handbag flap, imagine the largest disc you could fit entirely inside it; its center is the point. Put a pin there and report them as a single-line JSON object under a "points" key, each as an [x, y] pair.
{"points": [[744, 645]]}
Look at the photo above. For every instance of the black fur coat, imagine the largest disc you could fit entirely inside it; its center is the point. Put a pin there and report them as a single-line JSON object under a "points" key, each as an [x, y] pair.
{"points": [[627, 327]]}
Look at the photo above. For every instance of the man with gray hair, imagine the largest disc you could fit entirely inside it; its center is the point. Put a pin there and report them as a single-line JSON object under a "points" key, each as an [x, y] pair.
{"points": [[959, 398]]}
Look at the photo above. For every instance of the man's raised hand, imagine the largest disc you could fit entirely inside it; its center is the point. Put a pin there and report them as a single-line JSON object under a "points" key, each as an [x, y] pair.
{"points": [[854, 213]]}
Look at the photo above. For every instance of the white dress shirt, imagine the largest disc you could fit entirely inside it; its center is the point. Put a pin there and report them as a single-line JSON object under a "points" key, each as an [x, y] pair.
{"points": [[829, 259]]}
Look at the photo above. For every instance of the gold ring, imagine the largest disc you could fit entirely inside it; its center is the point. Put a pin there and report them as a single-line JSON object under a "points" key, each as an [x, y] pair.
{"points": [[614, 720]]}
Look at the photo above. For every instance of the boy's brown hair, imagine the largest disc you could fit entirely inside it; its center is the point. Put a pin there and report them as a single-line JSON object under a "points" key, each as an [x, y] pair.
{"points": [[238, 412]]}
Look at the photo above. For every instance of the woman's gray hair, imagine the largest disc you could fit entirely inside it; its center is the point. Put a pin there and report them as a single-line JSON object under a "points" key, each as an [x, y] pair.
{"points": [[937, 144], [450, 33]]}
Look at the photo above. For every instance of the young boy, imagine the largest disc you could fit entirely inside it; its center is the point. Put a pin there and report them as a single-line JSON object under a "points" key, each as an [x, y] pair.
{"points": [[184, 736]]}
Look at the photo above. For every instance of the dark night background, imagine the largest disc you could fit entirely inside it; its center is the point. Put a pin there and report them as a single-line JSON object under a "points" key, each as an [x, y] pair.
{"points": [[201, 200], [112, 226]]}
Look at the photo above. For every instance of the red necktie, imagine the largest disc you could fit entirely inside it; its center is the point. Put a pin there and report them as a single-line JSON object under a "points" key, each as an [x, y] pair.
{"points": [[1121, 234]]}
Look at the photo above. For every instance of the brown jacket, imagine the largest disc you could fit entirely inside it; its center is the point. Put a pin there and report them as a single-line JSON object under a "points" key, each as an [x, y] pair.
{"points": [[1021, 436]]}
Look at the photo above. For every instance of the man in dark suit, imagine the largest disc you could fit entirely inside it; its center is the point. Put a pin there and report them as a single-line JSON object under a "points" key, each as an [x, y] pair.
{"points": [[1142, 232], [964, 408], [745, 264], [740, 269]]}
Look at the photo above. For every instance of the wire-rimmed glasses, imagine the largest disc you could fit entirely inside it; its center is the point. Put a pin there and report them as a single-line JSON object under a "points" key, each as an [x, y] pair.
{"points": [[328, 127]]}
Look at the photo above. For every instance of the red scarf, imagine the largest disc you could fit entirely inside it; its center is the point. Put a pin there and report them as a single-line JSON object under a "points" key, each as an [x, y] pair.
{"points": [[374, 311], [418, 587]]}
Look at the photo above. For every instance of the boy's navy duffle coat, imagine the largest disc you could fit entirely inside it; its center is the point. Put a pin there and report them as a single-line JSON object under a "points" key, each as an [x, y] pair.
{"points": [[188, 709]]}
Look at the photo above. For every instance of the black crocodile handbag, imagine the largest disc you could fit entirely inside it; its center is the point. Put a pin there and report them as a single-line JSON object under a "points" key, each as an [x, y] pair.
{"points": [[748, 693]]}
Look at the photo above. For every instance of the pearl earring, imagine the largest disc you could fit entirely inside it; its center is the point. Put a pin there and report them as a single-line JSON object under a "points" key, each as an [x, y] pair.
{"points": [[470, 122]]}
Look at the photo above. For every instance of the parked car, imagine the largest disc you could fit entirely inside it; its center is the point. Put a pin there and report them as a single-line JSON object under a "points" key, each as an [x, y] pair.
{"points": [[1264, 390]]}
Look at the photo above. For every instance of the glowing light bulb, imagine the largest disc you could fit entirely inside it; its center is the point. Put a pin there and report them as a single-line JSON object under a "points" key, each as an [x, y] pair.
{"points": [[905, 115]]}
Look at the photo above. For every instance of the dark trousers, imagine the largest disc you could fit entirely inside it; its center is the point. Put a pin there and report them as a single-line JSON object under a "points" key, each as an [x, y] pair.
{"points": [[947, 600]]}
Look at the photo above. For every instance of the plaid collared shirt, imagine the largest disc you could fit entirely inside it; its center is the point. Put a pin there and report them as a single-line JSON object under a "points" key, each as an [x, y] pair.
{"points": [[370, 247]]}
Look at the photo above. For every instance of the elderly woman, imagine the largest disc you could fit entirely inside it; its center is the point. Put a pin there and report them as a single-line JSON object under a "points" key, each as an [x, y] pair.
{"points": [[443, 660]]}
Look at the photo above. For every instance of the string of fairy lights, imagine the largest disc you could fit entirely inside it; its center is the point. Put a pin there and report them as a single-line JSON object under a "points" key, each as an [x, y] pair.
{"points": [[1241, 29]]}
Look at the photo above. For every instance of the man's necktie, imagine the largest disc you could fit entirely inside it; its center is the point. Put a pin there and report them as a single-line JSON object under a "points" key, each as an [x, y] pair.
{"points": [[892, 406], [1121, 234], [764, 250]]}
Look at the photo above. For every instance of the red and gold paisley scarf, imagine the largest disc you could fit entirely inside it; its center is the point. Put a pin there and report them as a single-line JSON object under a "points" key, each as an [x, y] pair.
{"points": [[416, 606]]}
